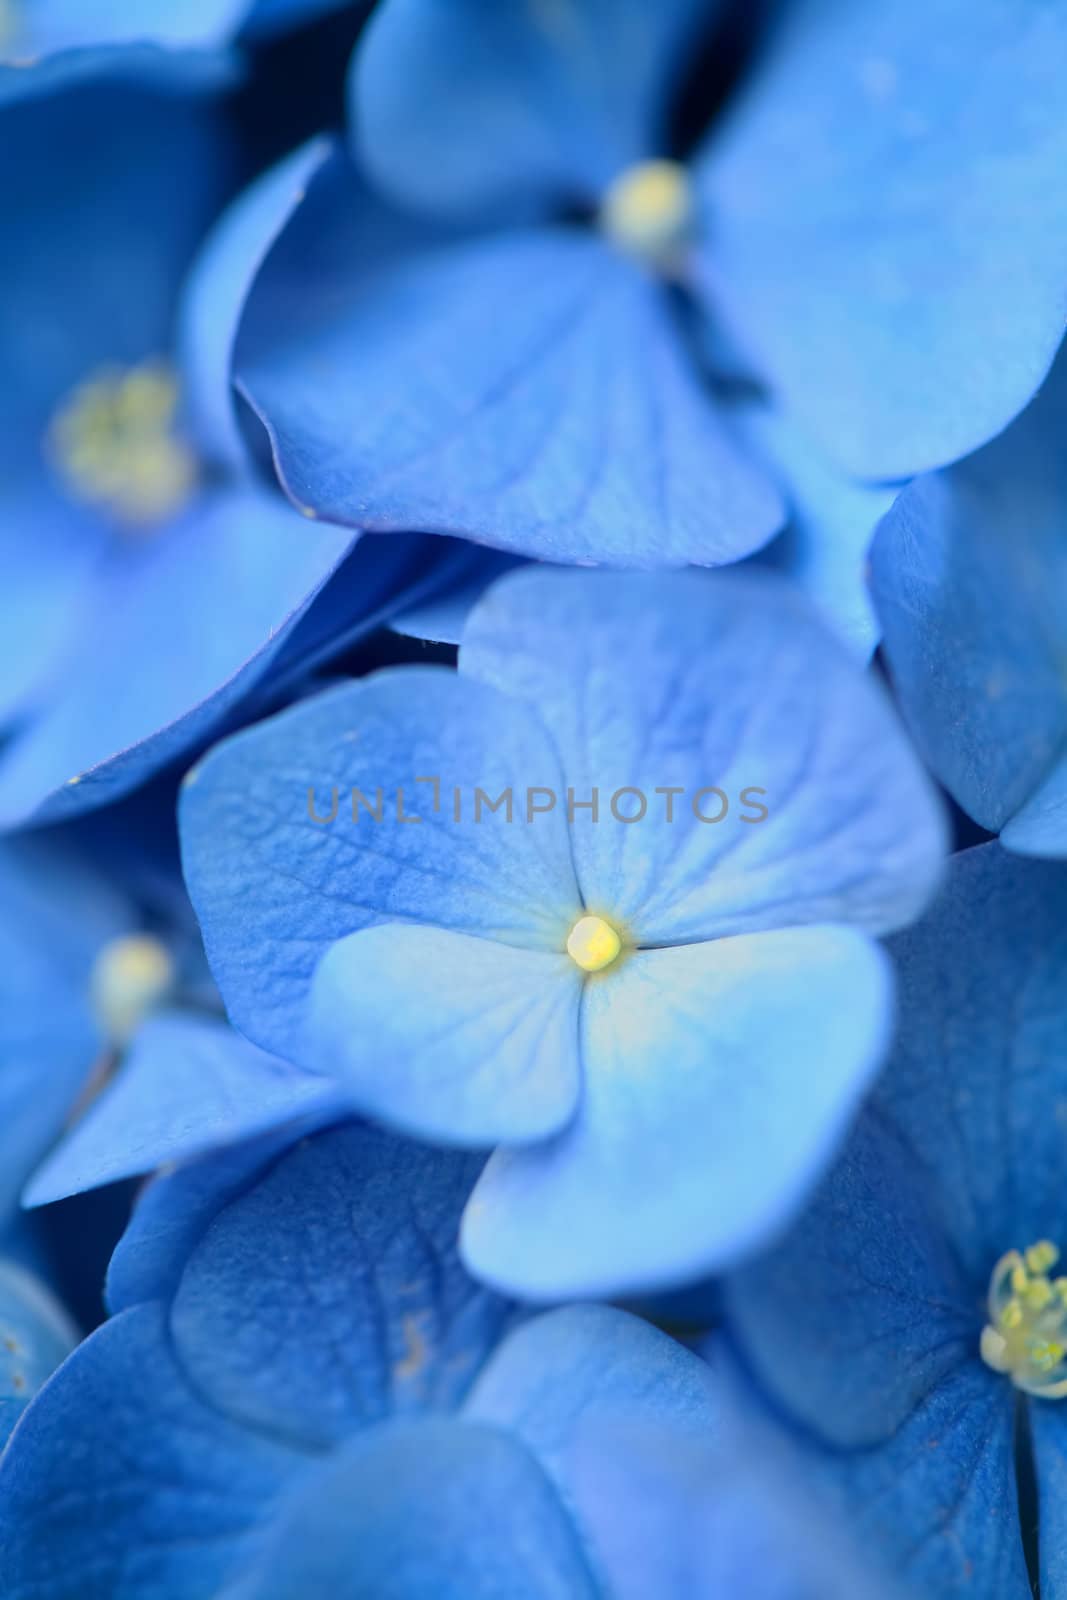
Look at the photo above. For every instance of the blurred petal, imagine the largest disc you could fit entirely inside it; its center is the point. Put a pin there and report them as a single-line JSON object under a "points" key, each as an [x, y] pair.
{"points": [[187, 1084], [460, 107], [687, 681], [423, 1510], [529, 390], [44, 26], [215, 292], [35, 1336], [970, 581], [704, 1120], [329, 1295], [175, 1493], [274, 888], [220, 588], [489, 1052], [919, 208]]}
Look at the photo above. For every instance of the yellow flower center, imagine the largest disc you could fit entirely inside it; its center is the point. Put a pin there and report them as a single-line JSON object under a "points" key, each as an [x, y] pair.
{"points": [[648, 210], [115, 444], [1026, 1336], [130, 977], [593, 944]]}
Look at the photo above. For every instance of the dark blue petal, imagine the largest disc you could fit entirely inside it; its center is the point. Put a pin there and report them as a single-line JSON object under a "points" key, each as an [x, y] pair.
{"points": [[1047, 1425], [187, 1084], [35, 1336], [121, 1483], [691, 680], [970, 580], [529, 390], [265, 876], [887, 229], [460, 107], [424, 1510], [704, 1119], [330, 1295]]}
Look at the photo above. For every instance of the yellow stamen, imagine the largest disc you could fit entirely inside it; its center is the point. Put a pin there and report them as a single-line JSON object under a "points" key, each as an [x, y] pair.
{"points": [[115, 443], [1026, 1336], [648, 210], [593, 944], [130, 977]]}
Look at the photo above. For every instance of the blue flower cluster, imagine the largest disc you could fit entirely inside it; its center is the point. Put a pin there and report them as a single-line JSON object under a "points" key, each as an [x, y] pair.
{"points": [[533, 800]]}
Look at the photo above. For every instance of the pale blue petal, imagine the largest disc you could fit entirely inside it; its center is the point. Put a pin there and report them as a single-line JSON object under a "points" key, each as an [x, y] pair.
{"points": [[706, 1115], [489, 1052], [729, 680], [265, 877], [44, 26]]}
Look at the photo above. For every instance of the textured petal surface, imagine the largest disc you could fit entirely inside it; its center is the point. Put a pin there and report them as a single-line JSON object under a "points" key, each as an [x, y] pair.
{"points": [[221, 588], [330, 1295], [529, 390], [175, 1492], [424, 1510], [919, 210], [970, 580], [688, 1072], [186, 1085], [274, 889], [489, 1053], [458, 107], [726, 680]]}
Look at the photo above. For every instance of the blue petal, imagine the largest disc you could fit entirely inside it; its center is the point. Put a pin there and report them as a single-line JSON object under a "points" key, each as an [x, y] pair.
{"points": [[266, 877], [175, 1209], [887, 228], [150, 65], [173, 1496], [704, 1120], [832, 521], [267, 17], [458, 108], [215, 292], [1047, 1424], [442, 616], [178, 632], [186, 1085], [54, 917], [48, 556], [35, 1336], [42, 27], [975, 619], [528, 390], [727, 680], [330, 1294], [424, 1510], [489, 1053]]}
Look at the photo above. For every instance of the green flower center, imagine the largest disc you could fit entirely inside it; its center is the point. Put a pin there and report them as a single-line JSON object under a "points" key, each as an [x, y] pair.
{"points": [[1026, 1336]]}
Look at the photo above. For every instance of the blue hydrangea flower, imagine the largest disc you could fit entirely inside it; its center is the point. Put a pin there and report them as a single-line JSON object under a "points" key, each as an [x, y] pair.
{"points": [[914, 1323], [969, 574], [151, 579], [526, 376], [301, 1392], [689, 799]]}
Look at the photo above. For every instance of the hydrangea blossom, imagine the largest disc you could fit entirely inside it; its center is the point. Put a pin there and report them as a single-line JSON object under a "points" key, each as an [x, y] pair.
{"points": [[641, 806], [913, 1326], [523, 376]]}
